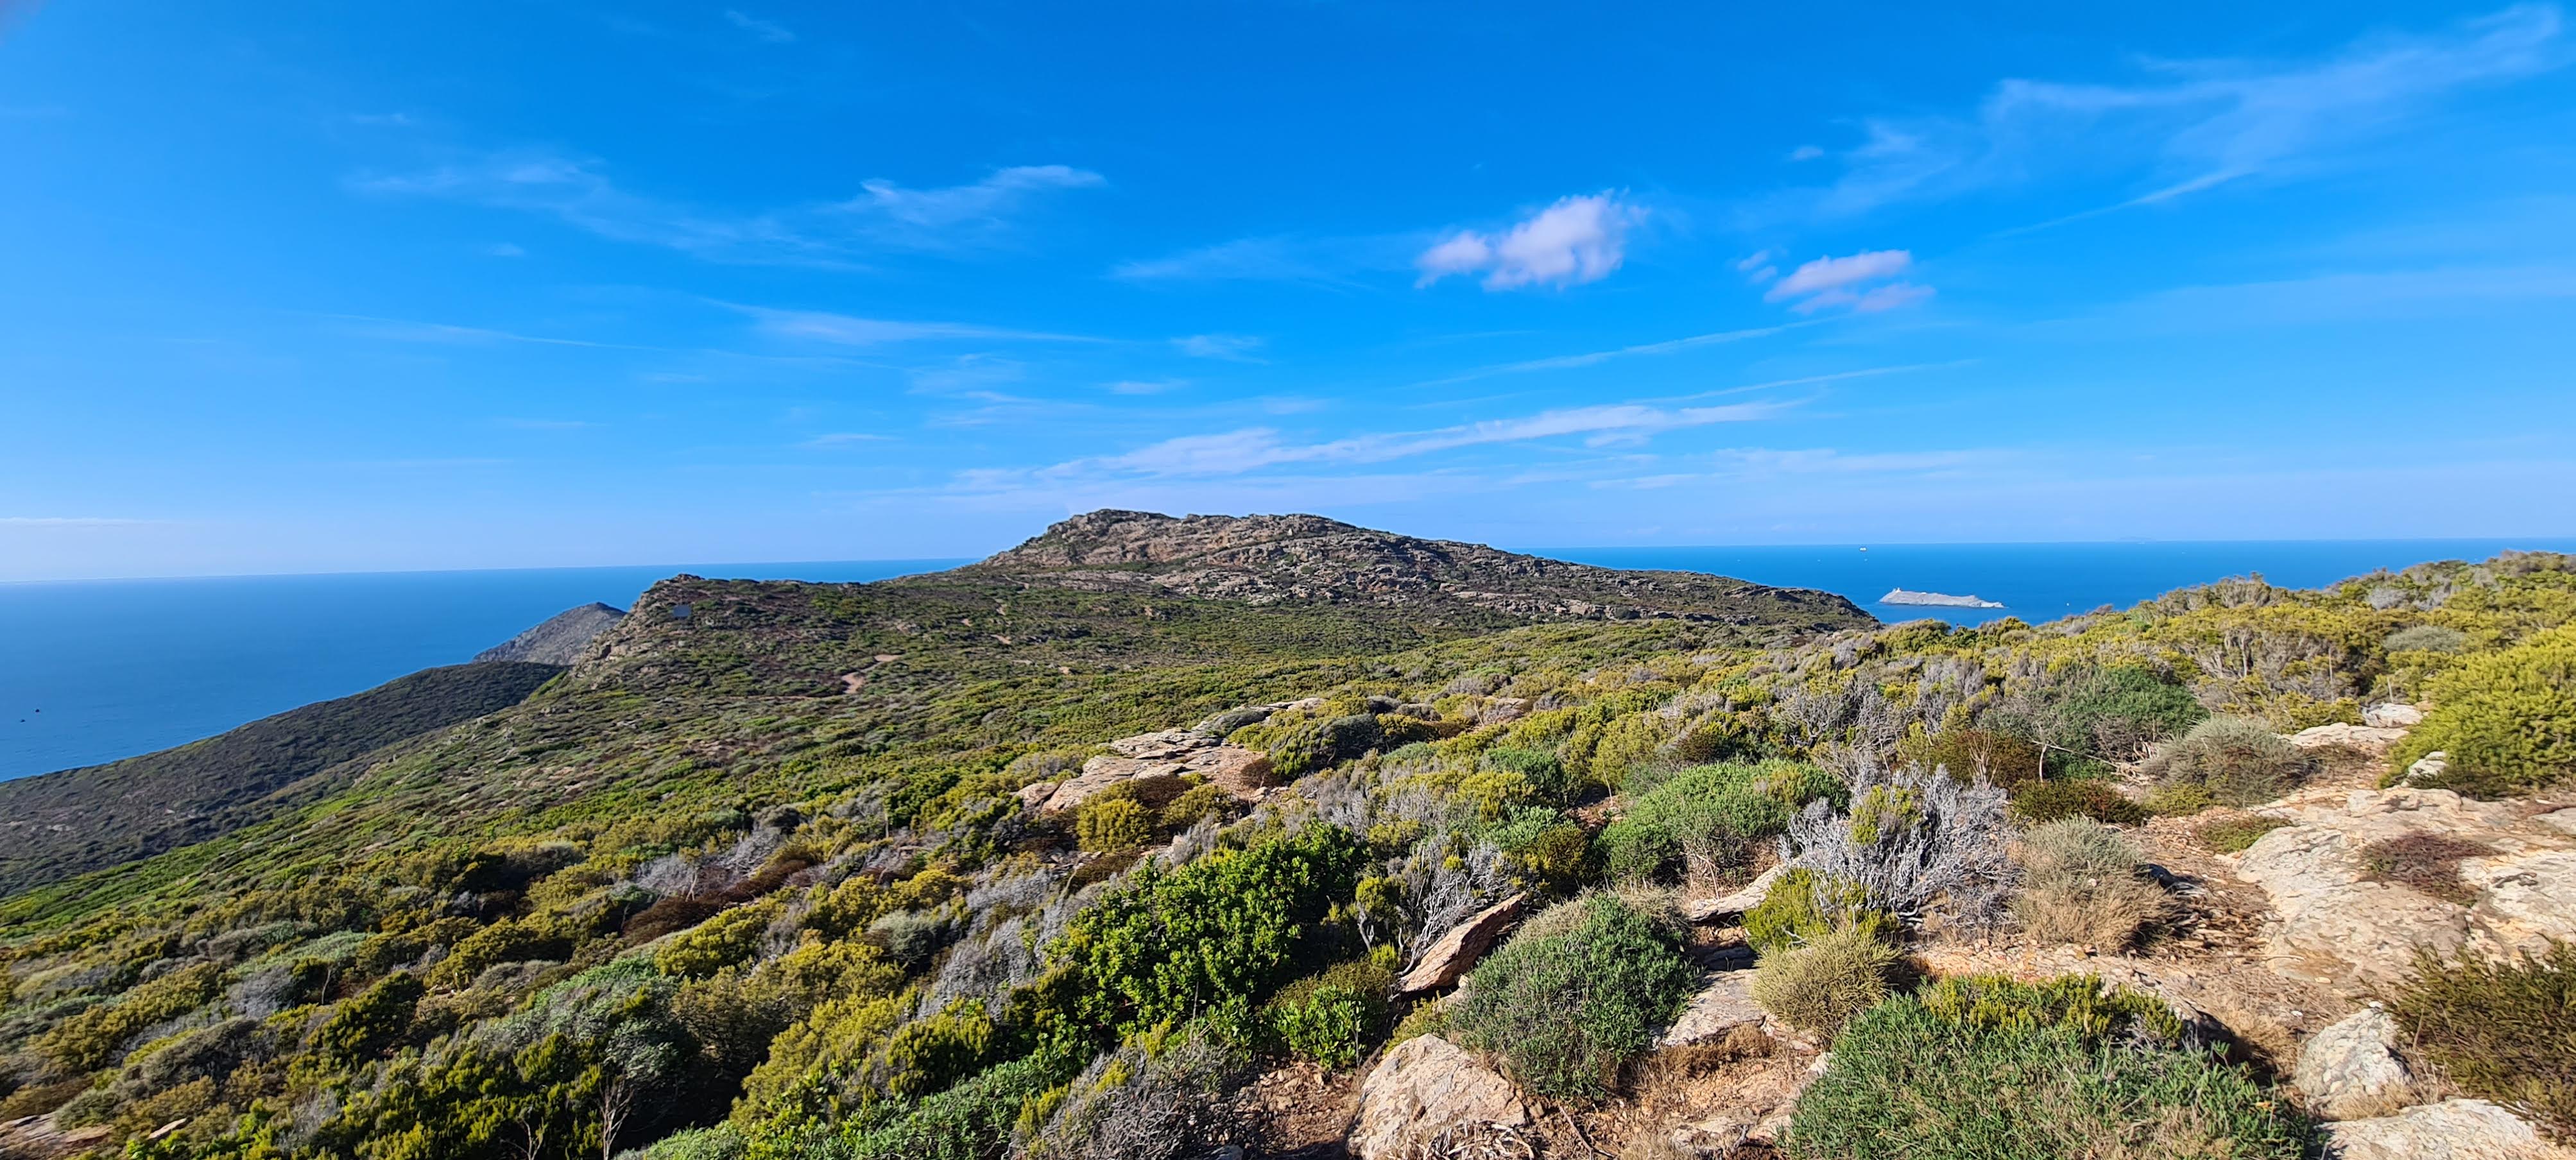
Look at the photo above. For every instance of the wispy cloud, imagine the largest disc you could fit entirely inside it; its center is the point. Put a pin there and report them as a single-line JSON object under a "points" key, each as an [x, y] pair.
{"points": [[1845, 282], [1254, 448], [884, 216], [1596, 357], [406, 330], [1328, 261], [1230, 347], [764, 31], [1575, 241], [852, 330], [844, 439], [69, 522], [2191, 126]]}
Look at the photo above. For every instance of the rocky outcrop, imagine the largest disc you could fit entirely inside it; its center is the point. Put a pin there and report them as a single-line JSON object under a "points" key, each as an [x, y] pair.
{"points": [[2450, 1130], [1245, 773], [2393, 716], [2339, 925], [563, 638], [2351, 1070], [1457, 952], [2367, 738], [1424, 1091]]}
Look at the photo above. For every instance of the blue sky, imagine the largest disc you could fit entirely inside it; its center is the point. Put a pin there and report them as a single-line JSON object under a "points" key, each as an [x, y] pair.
{"points": [[301, 286]]}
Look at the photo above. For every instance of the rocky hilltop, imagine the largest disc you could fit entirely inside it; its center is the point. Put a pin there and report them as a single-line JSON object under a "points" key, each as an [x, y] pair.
{"points": [[560, 640], [1265, 559]]}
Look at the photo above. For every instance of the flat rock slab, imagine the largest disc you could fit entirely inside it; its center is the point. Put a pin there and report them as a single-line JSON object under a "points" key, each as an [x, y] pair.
{"points": [[2371, 738], [1458, 951], [1722, 1006], [2340, 927], [1427, 1089], [2450, 1130]]}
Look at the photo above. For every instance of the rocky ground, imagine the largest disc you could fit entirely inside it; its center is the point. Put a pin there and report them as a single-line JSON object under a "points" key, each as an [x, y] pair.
{"points": [[2283, 949]]}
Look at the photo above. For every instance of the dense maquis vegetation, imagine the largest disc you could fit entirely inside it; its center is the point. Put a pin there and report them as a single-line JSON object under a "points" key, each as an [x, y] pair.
{"points": [[58, 825], [758, 881]]}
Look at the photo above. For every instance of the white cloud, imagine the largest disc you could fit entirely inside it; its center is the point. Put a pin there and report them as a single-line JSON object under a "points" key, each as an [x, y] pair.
{"points": [[504, 250], [844, 439], [1230, 347], [69, 522], [2194, 126], [1145, 386], [1838, 282], [1575, 241], [1807, 153], [885, 216], [765, 31]]}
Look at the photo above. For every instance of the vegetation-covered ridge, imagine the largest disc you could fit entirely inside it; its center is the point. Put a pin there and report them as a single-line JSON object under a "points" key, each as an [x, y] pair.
{"points": [[57, 825], [758, 878]]}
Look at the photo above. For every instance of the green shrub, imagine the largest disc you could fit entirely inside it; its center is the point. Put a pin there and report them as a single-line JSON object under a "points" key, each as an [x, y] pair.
{"points": [[2506, 721], [1319, 745], [2504, 1031], [1575, 995], [1199, 801], [2236, 832], [1107, 824], [2239, 760], [1967, 753], [2179, 800], [373, 1022], [2047, 801], [2003, 1071], [2432, 638], [92, 1039], [1712, 813], [1545, 773], [1333, 1018], [1804, 906], [1212, 937], [722, 1142], [1819, 984]]}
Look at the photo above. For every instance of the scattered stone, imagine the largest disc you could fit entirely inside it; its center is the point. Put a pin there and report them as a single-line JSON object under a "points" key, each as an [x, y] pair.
{"points": [[1458, 951], [2428, 767], [1736, 904], [2351, 1070], [2450, 1130], [1724, 1005], [1424, 1089], [2393, 715], [2339, 926], [1503, 711], [2368, 738]]}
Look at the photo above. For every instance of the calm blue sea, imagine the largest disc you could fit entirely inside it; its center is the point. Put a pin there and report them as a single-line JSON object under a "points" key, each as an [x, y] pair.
{"points": [[98, 670]]}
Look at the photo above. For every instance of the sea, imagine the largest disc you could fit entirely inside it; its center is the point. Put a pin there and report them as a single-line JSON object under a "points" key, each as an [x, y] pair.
{"points": [[92, 671]]}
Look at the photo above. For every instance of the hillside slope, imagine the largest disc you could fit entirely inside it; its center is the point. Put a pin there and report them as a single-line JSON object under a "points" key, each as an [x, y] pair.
{"points": [[57, 825], [560, 640]]}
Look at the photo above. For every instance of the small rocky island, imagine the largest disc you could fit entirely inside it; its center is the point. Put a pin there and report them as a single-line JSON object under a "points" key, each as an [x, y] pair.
{"points": [[1935, 599]]}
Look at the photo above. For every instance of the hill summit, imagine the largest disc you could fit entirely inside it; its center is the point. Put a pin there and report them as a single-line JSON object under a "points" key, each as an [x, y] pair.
{"points": [[1270, 559]]}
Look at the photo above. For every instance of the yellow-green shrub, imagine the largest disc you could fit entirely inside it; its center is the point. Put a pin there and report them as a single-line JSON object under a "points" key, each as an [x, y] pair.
{"points": [[2505, 721]]}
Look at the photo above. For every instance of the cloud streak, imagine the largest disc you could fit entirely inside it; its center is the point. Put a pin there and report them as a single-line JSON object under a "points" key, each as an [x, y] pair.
{"points": [[885, 216], [2192, 126]]}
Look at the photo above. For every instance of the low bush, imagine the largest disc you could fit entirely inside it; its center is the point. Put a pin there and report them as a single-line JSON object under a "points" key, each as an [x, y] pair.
{"points": [[2239, 760], [2237, 832], [1804, 906], [1333, 1018], [1110, 823], [1822, 982], [2080, 885], [2180, 800], [1924, 849], [1968, 754], [2505, 721], [2504, 1031], [1546, 774], [2047, 801], [2005, 1071], [1581, 990], [2426, 862], [2432, 638], [1706, 818]]}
